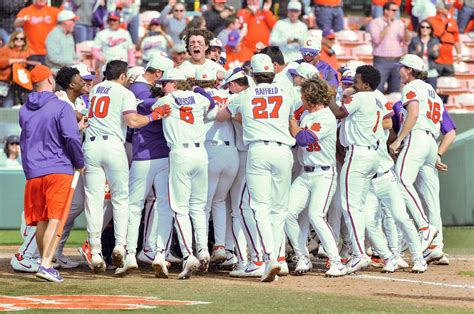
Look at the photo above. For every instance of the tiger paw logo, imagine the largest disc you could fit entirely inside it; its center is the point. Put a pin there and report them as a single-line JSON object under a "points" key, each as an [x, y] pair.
{"points": [[388, 106], [316, 127], [410, 95], [266, 67]]}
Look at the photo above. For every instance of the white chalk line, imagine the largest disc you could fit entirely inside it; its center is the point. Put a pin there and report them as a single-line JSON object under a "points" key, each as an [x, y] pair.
{"points": [[430, 283]]}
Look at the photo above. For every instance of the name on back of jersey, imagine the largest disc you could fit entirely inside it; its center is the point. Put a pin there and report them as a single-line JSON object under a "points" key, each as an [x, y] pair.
{"points": [[185, 101], [266, 91]]}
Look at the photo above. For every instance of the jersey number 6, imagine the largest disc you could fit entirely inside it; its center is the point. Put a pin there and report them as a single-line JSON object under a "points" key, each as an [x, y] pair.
{"points": [[99, 107], [260, 109], [186, 114]]}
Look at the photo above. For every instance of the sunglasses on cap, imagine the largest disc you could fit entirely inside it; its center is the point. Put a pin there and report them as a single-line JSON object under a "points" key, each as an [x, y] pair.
{"points": [[14, 143], [310, 53]]}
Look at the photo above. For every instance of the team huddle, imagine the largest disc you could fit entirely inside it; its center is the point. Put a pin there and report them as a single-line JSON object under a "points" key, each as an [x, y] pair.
{"points": [[266, 153]]}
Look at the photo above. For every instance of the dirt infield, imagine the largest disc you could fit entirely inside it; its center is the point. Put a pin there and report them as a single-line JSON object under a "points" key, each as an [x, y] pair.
{"points": [[440, 286]]}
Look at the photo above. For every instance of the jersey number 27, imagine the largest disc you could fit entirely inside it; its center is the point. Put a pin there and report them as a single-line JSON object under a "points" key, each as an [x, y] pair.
{"points": [[260, 110]]}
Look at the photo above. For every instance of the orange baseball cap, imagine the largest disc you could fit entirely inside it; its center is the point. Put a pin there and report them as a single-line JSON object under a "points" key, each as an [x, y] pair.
{"points": [[40, 73]]}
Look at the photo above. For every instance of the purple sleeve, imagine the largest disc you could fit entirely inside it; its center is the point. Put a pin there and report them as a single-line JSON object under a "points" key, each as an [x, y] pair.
{"points": [[201, 91], [142, 92], [71, 136], [396, 116], [447, 124], [305, 137]]}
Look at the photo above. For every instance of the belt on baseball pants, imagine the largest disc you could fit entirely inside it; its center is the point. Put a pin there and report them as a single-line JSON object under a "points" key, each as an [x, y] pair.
{"points": [[187, 145], [104, 137], [368, 147], [314, 168], [217, 143], [378, 175], [268, 142]]}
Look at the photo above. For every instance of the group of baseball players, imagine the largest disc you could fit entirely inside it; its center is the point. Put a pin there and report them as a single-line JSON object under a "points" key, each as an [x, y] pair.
{"points": [[262, 155]]}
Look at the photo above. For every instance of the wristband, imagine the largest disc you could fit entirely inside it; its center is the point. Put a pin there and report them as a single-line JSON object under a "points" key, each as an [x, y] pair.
{"points": [[439, 155]]}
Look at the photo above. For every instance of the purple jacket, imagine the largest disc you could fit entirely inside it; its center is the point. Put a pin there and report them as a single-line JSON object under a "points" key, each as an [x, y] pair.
{"points": [[148, 142], [50, 141]]}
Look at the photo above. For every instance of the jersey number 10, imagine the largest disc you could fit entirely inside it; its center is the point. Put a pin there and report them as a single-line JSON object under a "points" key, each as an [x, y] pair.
{"points": [[260, 110], [99, 107]]}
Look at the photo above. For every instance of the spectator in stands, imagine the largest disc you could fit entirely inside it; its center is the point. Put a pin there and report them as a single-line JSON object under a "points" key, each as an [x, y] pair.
{"points": [[466, 14], [259, 21], [426, 46], [197, 22], [376, 7], [389, 36], [215, 50], [329, 14], [83, 30], [216, 16], [15, 52], [37, 21], [232, 23], [290, 33], [11, 157], [7, 17], [446, 30], [236, 53], [155, 41], [179, 54], [175, 24], [328, 54], [113, 43], [130, 12], [60, 46]]}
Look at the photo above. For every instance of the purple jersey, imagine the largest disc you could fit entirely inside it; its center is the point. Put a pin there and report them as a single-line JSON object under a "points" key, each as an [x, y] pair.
{"points": [[326, 72], [148, 142]]}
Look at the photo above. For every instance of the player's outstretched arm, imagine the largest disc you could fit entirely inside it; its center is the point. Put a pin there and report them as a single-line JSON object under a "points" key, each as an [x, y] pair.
{"points": [[135, 120], [338, 112]]}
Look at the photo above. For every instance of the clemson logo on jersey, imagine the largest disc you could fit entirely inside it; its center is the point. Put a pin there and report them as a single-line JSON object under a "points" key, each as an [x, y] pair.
{"points": [[410, 95], [388, 106], [316, 127]]}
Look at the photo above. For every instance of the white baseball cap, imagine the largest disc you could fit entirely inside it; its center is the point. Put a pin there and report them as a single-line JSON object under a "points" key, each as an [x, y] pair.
{"points": [[348, 76], [66, 15], [84, 71], [205, 74], [216, 42], [412, 61], [351, 65], [160, 62], [305, 70], [261, 63], [173, 74], [294, 5], [311, 44], [135, 71], [232, 75]]}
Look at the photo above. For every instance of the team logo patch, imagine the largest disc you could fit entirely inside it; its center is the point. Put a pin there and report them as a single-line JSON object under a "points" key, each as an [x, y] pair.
{"points": [[85, 302], [204, 76], [309, 42], [410, 95], [316, 127], [266, 67], [388, 106]]}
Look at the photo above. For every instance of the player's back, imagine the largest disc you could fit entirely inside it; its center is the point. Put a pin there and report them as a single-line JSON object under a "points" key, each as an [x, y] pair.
{"points": [[109, 101], [215, 130], [185, 125], [266, 111]]}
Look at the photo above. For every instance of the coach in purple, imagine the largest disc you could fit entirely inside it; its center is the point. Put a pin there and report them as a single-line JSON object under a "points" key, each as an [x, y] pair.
{"points": [[51, 150], [149, 168]]}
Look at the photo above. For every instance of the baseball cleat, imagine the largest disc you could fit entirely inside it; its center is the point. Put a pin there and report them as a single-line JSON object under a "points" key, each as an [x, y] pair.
{"points": [[173, 259], [218, 254], [98, 263], [284, 271], [190, 265], [369, 251], [238, 269], [442, 261], [357, 263], [49, 274], [24, 264], [204, 259], [427, 234], [402, 264], [303, 265], [130, 265], [160, 267], [391, 265], [337, 269], [433, 254], [419, 266], [85, 251], [272, 268], [230, 260], [253, 269], [146, 256], [377, 262], [65, 262], [118, 256]]}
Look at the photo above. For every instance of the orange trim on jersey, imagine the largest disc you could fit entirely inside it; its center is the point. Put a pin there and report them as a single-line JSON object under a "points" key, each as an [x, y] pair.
{"points": [[128, 112]]}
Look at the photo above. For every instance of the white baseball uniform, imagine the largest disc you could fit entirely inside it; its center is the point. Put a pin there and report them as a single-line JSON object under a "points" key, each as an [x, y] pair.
{"points": [[316, 184], [266, 110], [105, 157], [185, 134], [424, 133], [154, 44], [113, 44], [189, 69], [358, 135]]}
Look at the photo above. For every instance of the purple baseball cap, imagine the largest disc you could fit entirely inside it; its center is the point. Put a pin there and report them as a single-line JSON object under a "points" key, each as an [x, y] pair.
{"points": [[233, 39], [155, 21]]}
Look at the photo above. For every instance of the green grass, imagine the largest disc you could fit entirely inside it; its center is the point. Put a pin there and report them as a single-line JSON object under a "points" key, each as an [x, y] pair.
{"points": [[223, 295], [467, 273], [457, 240]]}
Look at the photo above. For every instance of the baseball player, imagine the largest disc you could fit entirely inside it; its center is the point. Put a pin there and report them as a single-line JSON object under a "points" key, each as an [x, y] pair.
{"points": [[243, 219], [316, 184], [265, 112], [421, 115], [185, 134], [112, 108], [223, 162], [361, 119]]}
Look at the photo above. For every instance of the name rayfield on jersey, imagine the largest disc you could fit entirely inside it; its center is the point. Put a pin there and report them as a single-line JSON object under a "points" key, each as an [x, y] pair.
{"points": [[266, 91], [185, 101], [102, 90]]}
